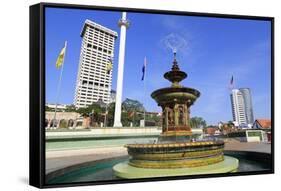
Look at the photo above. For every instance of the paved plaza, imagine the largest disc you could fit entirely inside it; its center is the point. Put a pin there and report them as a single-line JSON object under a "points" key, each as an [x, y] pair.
{"points": [[235, 145], [59, 159]]}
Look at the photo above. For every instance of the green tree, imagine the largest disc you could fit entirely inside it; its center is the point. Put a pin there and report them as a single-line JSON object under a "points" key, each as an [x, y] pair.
{"points": [[126, 118], [154, 118], [86, 111], [197, 122], [230, 124], [132, 112], [110, 114], [94, 111], [70, 108], [48, 108], [227, 127]]}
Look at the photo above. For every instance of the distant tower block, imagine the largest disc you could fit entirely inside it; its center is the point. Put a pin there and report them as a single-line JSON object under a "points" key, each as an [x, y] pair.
{"points": [[93, 78], [246, 92], [238, 107], [242, 107], [123, 24]]}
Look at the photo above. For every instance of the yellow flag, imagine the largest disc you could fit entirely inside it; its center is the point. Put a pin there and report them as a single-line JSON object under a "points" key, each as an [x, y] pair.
{"points": [[109, 65], [60, 58]]}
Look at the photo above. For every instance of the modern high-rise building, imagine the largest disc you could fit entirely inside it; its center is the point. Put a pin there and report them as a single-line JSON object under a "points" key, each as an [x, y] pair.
{"points": [[238, 108], [246, 92], [94, 75], [242, 109]]}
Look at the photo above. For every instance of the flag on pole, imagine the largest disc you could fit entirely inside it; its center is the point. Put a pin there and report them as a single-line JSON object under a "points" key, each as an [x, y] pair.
{"points": [[143, 69], [231, 81], [109, 66], [60, 58], [59, 63]]}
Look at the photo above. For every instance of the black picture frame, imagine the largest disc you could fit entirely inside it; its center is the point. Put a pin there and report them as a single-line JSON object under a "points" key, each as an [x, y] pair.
{"points": [[37, 92]]}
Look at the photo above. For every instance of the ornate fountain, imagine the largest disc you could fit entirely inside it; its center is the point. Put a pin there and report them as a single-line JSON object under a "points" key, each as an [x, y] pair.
{"points": [[175, 152], [175, 102]]}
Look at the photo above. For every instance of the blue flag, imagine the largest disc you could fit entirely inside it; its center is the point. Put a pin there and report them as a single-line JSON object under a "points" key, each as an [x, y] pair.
{"points": [[143, 69], [231, 80]]}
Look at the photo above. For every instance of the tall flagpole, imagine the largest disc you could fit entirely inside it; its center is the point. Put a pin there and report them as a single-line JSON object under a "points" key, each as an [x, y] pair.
{"points": [[124, 24], [59, 84]]}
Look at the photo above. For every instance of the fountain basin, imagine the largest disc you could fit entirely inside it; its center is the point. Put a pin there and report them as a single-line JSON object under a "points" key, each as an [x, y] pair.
{"points": [[175, 154], [101, 170]]}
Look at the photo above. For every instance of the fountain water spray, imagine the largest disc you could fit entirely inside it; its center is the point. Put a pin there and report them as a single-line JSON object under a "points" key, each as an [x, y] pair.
{"points": [[174, 42]]}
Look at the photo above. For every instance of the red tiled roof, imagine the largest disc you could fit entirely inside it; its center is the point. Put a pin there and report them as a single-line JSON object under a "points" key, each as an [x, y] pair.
{"points": [[264, 123], [210, 130]]}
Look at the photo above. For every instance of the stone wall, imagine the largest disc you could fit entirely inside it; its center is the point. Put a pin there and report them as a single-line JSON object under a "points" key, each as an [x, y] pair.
{"points": [[63, 120]]}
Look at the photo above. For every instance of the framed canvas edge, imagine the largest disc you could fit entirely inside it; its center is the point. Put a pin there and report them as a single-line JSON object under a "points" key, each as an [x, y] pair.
{"points": [[37, 162]]}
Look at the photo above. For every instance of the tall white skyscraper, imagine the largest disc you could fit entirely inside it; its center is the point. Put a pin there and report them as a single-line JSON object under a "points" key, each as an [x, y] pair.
{"points": [[246, 92], [242, 109], [94, 76]]}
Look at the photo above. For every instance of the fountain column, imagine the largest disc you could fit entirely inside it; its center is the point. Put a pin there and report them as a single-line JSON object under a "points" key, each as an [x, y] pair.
{"points": [[176, 115], [123, 24]]}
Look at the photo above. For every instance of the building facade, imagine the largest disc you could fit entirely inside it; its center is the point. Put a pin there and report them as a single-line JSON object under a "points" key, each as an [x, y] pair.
{"points": [[63, 120], [246, 92], [94, 77], [242, 110], [112, 96], [60, 107], [238, 108]]}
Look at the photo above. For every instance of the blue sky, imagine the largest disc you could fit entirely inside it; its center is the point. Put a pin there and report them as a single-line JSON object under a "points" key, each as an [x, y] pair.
{"points": [[215, 50]]}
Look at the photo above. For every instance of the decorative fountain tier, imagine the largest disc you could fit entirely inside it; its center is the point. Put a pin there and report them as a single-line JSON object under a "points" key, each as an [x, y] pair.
{"points": [[175, 152], [175, 102]]}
